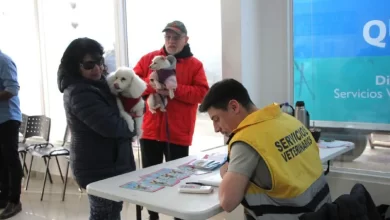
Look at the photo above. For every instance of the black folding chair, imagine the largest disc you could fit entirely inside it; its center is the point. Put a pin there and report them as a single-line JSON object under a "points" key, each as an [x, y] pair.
{"points": [[40, 126]]}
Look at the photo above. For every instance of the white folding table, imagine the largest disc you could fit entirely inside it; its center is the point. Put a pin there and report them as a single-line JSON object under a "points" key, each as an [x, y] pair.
{"points": [[169, 201]]}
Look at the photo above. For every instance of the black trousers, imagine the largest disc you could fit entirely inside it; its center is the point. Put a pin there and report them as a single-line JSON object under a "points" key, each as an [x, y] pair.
{"points": [[11, 172], [153, 153]]}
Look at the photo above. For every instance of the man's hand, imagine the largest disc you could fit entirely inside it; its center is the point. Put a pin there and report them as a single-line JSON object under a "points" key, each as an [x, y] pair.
{"points": [[232, 190], [163, 92], [223, 169]]}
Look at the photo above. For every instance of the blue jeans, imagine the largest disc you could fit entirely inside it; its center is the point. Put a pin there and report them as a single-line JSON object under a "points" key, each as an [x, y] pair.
{"points": [[104, 209]]}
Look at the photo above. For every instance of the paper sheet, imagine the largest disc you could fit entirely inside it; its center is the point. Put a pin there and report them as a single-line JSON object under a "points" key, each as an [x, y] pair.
{"points": [[334, 144]]}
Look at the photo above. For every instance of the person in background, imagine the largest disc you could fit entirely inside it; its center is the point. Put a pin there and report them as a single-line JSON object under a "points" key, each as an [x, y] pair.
{"points": [[100, 139], [274, 167], [110, 61], [11, 172], [181, 110]]}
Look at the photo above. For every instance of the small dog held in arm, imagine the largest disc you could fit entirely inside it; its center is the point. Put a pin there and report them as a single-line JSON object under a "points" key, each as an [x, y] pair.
{"points": [[163, 77], [128, 88]]}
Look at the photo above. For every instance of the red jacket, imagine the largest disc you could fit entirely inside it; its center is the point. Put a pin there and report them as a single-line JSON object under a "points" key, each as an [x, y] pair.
{"points": [[181, 110]]}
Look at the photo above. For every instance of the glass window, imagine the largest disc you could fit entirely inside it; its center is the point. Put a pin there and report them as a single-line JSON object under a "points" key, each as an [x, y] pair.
{"points": [[64, 21], [145, 21], [19, 40], [341, 71]]}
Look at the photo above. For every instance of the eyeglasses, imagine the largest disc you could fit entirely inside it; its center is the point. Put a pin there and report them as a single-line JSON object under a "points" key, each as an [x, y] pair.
{"points": [[174, 38], [88, 65]]}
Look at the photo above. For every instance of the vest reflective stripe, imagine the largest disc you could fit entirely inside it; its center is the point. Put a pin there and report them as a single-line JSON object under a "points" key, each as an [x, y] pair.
{"points": [[311, 200]]}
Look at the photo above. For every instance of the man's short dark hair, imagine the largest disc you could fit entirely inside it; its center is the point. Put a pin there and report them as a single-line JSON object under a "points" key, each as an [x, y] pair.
{"points": [[222, 92]]}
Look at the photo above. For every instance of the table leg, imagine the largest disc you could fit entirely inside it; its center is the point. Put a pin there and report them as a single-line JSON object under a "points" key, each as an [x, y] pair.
{"points": [[327, 169], [137, 207], [138, 212]]}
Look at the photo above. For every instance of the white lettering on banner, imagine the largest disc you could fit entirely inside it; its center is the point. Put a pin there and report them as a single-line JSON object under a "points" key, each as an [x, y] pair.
{"points": [[375, 41], [359, 94], [382, 80]]}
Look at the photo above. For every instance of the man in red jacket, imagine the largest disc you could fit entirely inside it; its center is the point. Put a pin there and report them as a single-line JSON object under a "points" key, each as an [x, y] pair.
{"points": [[179, 119]]}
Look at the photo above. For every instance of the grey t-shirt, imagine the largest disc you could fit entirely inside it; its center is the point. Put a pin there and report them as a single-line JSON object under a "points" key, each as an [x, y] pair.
{"points": [[246, 161]]}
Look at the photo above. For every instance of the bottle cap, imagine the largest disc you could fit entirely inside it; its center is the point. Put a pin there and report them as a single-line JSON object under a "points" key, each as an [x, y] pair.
{"points": [[300, 103]]}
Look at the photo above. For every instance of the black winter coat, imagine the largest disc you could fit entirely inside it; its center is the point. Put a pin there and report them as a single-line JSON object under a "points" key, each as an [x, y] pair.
{"points": [[100, 139], [358, 205]]}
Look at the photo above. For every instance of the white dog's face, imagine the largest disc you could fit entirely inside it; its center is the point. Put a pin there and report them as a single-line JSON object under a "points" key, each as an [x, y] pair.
{"points": [[123, 79], [159, 62], [126, 82]]}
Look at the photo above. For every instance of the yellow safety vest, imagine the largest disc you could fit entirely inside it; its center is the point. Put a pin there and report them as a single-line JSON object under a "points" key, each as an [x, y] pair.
{"points": [[292, 157]]}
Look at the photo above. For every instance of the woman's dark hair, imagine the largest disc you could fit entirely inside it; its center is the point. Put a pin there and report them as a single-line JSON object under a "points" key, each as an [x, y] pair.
{"points": [[75, 53], [222, 92]]}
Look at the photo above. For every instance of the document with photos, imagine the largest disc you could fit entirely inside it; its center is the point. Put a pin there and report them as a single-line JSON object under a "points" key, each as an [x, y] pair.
{"points": [[209, 162], [142, 186], [168, 173]]}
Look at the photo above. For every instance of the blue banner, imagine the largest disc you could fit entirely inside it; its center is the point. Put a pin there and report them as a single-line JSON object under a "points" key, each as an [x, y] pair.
{"points": [[342, 59], [341, 28]]}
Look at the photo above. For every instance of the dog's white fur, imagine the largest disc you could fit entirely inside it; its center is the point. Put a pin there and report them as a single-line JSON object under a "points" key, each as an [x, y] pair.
{"points": [[125, 82], [160, 62], [154, 100]]}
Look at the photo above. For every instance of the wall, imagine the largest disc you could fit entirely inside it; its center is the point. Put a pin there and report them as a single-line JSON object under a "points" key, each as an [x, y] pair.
{"points": [[256, 47]]}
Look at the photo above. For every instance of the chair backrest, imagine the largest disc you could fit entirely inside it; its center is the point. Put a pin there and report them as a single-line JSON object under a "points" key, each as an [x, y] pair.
{"points": [[38, 126], [66, 136], [23, 125]]}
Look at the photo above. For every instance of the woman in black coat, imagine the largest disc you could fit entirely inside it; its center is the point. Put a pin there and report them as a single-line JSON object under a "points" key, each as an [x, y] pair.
{"points": [[101, 141]]}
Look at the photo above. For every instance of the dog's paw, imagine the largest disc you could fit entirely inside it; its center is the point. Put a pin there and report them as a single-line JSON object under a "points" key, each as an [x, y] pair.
{"points": [[171, 94], [130, 124]]}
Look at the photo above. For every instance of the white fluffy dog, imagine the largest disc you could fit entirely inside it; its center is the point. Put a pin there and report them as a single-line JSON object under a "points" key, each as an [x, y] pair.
{"points": [[163, 77], [128, 88]]}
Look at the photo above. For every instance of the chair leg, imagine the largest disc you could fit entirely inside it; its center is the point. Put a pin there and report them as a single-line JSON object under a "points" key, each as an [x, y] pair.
{"points": [[46, 174], [66, 181], [24, 155], [51, 180], [29, 173], [59, 169]]}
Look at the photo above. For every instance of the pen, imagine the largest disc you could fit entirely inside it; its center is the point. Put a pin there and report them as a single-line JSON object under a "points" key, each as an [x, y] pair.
{"points": [[196, 183]]}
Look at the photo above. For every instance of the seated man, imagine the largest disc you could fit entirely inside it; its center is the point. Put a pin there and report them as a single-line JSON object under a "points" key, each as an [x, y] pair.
{"points": [[274, 168]]}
